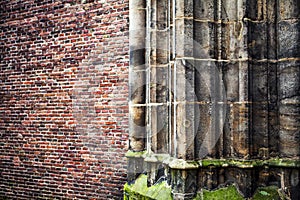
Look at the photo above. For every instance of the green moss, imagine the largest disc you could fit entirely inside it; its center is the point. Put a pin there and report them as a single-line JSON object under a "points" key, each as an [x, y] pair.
{"points": [[213, 162], [232, 163], [161, 191], [284, 163], [267, 193], [140, 191], [135, 154], [229, 192], [276, 162]]}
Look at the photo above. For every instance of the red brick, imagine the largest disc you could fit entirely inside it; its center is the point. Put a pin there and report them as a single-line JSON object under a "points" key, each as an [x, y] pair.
{"points": [[59, 136]]}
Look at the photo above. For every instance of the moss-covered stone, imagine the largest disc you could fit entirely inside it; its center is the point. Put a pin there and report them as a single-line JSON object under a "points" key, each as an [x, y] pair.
{"points": [[268, 193], [229, 192], [182, 164], [275, 162], [140, 191], [284, 163], [161, 191], [135, 154]]}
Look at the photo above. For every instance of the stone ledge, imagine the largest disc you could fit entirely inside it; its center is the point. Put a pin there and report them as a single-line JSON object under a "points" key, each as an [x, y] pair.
{"points": [[274, 162], [135, 154], [182, 164], [175, 163], [157, 158]]}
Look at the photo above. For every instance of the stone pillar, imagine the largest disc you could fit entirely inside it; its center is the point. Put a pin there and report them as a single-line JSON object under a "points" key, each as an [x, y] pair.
{"points": [[184, 174], [236, 78], [288, 69], [262, 54], [206, 75], [137, 87], [159, 76], [184, 81], [289, 78], [137, 79]]}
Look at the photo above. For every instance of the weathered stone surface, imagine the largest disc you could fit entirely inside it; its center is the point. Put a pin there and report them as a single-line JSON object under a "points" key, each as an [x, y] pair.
{"points": [[231, 80], [137, 57], [204, 40], [137, 76], [184, 37], [184, 8], [289, 108], [258, 40], [161, 21], [159, 88], [289, 80], [159, 128], [289, 42], [234, 37], [224, 83], [184, 183], [233, 11], [204, 10], [135, 167], [289, 9]]}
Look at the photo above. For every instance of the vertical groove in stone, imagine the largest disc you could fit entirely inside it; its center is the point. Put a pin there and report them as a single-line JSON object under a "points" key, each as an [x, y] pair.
{"points": [[152, 56], [172, 91], [137, 75], [149, 94], [272, 38], [159, 78]]}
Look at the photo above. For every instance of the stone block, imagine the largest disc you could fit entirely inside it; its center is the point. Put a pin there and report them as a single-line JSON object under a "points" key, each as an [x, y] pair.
{"points": [[289, 39], [184, 8], [204, 10]]}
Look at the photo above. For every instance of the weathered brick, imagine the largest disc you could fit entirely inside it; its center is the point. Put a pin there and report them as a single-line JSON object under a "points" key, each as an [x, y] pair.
{"points": [[63, 118]]}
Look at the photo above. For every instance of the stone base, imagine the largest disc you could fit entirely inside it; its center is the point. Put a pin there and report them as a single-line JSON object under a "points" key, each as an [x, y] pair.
{"points": [[178, 196], [135, 165], [162, 191]]}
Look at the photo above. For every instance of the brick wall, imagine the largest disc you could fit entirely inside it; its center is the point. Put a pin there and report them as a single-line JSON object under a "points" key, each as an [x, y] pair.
{"points": [[63, 91]]}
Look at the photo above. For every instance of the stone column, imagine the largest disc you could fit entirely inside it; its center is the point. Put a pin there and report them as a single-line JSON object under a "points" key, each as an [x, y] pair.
{"points": [[184, 176], [289, 78], [289, 92], [158, 103], [234, 60], [206, 54], [184, 83], [262, 70], [137, 87], [159, 75]]}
